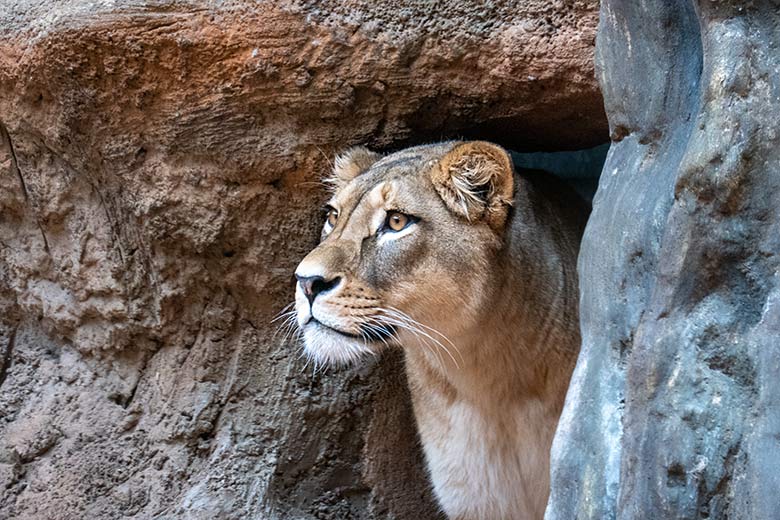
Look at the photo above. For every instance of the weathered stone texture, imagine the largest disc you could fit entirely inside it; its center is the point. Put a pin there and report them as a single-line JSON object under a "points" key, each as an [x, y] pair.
{"points": [[674, 407], [158, 184]]}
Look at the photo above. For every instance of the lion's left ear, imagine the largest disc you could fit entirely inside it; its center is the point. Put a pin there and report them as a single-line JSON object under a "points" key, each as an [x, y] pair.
{"points": [[475, 180], [350, 164]]}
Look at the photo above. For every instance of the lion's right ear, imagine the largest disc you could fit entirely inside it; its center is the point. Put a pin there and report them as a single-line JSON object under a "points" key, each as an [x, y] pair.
{"points": [[350, 164]]}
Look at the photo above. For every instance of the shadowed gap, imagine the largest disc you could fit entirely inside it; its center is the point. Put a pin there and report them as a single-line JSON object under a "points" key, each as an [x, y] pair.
{"points": [[579, 168]]}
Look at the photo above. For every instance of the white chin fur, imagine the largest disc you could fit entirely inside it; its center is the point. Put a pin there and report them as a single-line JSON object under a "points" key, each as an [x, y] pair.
{"points": [[328, 347]]}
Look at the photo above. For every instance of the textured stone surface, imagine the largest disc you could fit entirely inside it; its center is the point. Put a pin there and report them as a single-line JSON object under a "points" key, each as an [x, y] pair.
{"points": [[674, 407], [158, 184]]}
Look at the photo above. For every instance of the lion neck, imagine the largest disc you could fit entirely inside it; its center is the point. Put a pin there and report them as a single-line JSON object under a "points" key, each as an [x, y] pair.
{"points": [[520, 348], [491, 416]]}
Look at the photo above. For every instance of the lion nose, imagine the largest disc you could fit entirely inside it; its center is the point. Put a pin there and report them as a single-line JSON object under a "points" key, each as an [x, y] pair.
{"points": [[314, 285]]}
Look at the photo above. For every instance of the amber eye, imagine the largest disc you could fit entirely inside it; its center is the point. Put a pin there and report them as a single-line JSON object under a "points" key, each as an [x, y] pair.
{"points": [[331, 217], [397, 221]]}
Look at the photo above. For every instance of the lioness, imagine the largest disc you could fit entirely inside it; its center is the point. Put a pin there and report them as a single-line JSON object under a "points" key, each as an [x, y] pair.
{"points": [[469, 266]]}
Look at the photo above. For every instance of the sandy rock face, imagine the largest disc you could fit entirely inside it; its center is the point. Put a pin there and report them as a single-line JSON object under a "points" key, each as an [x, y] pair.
{"points": [[159, 168]]}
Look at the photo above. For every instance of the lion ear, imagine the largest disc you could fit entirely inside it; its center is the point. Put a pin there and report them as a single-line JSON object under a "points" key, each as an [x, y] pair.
{"points": [[351, 163], [475, 180]]}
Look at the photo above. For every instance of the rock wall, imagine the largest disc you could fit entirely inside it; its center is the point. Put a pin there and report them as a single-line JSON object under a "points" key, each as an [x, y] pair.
{"points": [[159, 166], [674, 406]]}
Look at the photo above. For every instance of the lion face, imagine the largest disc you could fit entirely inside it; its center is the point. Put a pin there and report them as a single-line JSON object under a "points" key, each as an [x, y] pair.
{"points": [[407, 250]]}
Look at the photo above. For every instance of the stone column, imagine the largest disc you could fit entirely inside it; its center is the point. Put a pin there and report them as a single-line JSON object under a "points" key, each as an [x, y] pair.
{"points": [[674, 407]]}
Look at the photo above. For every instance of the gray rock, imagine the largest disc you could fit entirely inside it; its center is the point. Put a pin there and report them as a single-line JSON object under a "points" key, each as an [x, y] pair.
{"points": [[674, 407]]}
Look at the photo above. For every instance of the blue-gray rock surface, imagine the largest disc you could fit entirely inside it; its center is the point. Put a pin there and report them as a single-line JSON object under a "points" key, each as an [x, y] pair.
{"points": [[674, 407]]}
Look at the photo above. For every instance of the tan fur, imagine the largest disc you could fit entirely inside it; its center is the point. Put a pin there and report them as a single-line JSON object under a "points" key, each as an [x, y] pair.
{"points": [[481, 293], [470, 168], [350, 164]]}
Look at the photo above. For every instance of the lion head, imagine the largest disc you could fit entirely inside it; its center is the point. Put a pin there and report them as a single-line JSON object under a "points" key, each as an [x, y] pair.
{"points": [[408, 250]]}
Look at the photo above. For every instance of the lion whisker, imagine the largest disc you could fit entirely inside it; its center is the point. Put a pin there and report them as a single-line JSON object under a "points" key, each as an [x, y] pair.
{"points": [[425, 339], [287, 326], [283, 312], [411, 322], [438, 333]]}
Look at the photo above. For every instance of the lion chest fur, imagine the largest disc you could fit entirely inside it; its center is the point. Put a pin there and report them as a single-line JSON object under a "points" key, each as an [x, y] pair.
{"points": [[485, 459], [478, 474]]}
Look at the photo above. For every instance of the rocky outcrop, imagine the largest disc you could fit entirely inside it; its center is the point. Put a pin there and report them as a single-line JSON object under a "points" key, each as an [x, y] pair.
{"points": [[673, 407], [159, 166]]}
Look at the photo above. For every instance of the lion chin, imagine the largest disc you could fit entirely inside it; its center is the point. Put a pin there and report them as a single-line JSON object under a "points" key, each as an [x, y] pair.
{"points": [[329, 347]]}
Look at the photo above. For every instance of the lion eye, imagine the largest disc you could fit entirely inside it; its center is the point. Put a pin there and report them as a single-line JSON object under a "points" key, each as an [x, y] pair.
{"points": [[331, 217], [396, 221]]}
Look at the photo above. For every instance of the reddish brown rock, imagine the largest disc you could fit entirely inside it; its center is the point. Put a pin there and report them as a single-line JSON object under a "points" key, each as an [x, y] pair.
{"points": [[158, 183]]}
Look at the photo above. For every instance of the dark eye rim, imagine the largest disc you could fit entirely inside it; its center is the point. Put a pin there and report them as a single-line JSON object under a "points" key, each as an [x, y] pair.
{"points": [[410, 219]]}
